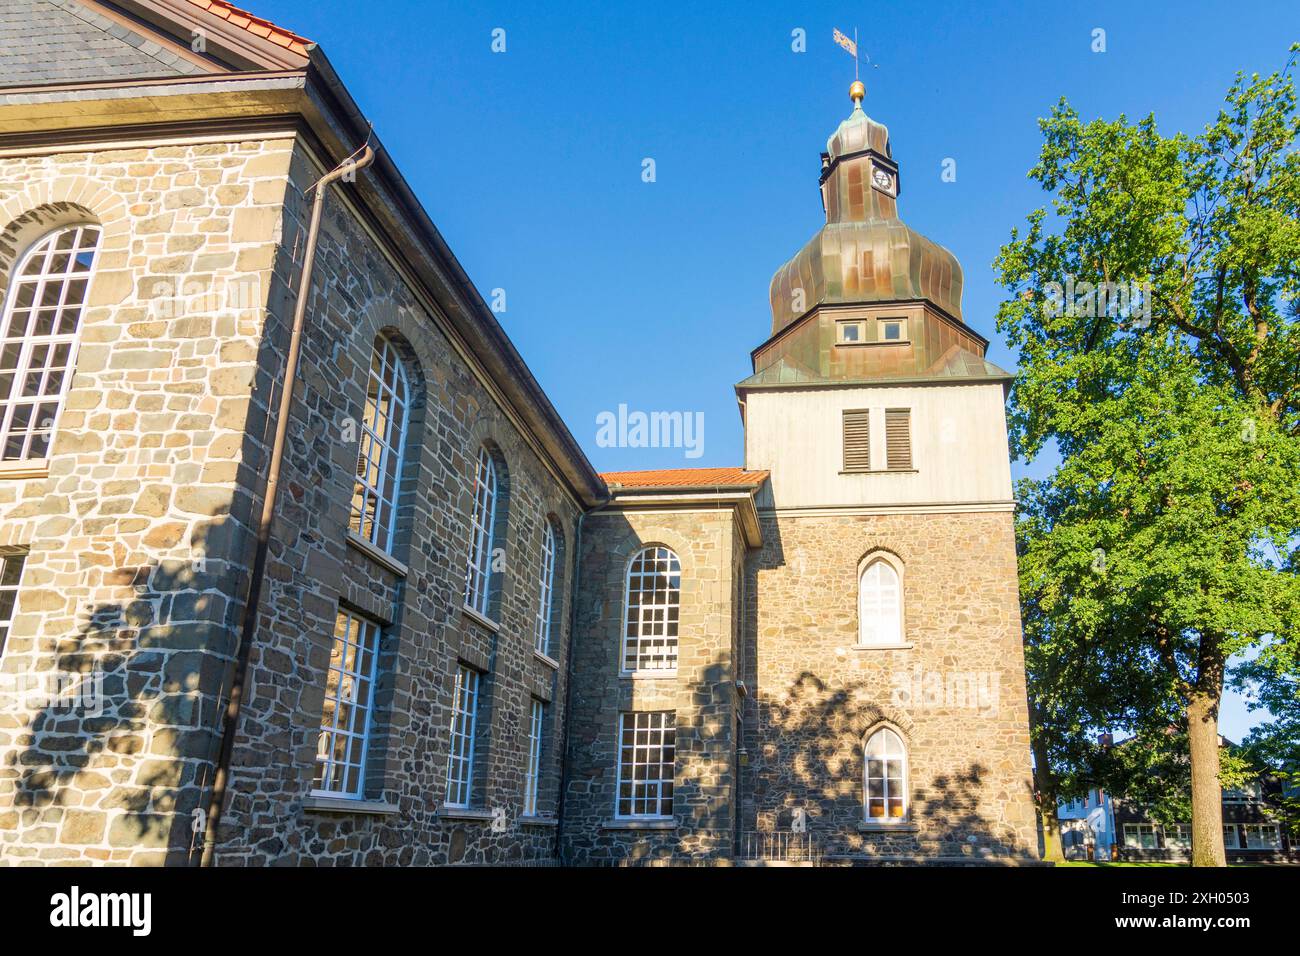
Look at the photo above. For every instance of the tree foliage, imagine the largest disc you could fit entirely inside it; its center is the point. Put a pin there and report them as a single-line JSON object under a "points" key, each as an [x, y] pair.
{"points": [[1168, 539]]}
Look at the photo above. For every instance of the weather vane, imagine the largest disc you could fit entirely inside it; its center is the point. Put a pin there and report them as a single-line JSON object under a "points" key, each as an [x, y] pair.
{"points": [[858, 90]]}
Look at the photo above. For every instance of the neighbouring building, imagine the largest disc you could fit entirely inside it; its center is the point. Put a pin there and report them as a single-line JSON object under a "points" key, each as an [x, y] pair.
{"points": [[1104, 826], [464, 644]]}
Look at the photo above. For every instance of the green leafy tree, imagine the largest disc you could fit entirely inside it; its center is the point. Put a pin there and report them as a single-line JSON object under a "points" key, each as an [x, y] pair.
{"points": [[1154, 313]]}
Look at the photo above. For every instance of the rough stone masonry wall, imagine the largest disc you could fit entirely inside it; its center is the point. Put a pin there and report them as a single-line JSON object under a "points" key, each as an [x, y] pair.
{"points": [[136, 535], [702, 694], [356, 294], [816, 695]]}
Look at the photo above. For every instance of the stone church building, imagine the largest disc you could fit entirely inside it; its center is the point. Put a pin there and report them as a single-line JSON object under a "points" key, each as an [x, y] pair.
{"points": [[299, 564]]}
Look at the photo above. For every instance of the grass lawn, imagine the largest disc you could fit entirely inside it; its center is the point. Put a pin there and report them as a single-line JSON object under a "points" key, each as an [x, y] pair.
{"points": [[1115, 863]]}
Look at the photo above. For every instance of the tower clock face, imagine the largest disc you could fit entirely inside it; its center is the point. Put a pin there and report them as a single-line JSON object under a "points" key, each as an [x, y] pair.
{"points": [[883, 180]]}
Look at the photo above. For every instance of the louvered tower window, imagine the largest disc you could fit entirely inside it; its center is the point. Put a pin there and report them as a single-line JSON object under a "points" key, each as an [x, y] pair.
{"points": [[857, 439], [898, 439]]}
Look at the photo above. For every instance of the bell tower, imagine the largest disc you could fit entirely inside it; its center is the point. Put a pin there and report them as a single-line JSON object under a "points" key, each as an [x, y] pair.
{"points": [[887, 567], [868, 304]]}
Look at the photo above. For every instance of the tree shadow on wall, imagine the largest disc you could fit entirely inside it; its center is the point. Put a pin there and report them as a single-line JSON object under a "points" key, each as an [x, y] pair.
{"points": [[810, 755], [115, 756]]}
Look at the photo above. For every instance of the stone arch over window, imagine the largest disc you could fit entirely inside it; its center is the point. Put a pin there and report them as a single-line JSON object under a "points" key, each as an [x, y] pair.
{"points": [[47, 290], [885, 769], [385, 435], [550, 583], [488, 515], [652, 609], [881, 605]]}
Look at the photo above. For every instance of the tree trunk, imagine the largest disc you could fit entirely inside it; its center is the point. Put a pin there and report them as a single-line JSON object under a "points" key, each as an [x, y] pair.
{"points": [[1045, 793], [1207, 793]]}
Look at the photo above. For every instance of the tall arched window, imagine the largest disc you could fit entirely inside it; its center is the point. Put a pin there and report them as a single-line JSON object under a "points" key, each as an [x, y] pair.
{"points": [[38, 337], [885, 774], [383, 438], [478, 580], [880, 604], [654, 598], [546, 597]]}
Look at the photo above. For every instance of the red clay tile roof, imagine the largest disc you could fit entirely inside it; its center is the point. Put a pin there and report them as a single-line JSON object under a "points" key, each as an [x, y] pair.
{"points": [[256, 25], [686, 478]]}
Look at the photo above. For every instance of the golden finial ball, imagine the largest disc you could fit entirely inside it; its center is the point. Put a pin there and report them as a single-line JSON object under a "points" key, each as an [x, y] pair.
{"points": [[858, 91]]}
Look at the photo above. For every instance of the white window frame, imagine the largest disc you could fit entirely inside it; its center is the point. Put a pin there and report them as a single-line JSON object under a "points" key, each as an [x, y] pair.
{"points": [[1254, 833], [1178, 836], [1231, 838], [900, 321], [1134, 833], [533, 773], [34, 354], [884, 746], [660, 772], [841, 332], [879, 624], [12, 566], [546, 586], [478, 576], [350, 680], [382, 447], [651, 629], [464, 727]]}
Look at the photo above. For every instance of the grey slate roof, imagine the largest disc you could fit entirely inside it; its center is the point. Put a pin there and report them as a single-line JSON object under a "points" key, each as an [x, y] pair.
{"points": [[63, 41]]}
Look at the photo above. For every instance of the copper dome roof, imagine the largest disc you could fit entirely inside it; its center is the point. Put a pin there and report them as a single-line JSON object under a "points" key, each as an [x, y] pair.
{"points": [[864, 253]]}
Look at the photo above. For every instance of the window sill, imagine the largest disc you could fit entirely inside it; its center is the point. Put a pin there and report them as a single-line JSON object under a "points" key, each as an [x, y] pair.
{"points": [[640, 823], [883, 471], [876, 344], [474, 615], [530, 820], [546, 659], [464, 813], [30, 468], [648, 675], [883, 647], [377, 555], [865, 826], [319, 803]]}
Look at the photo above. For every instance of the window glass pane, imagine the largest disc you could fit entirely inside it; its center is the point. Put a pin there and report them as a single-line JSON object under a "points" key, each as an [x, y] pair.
{"points": [[464, 718], [654, 584], [478, 578], [39, 345], [381, 447], [346, 715], [646, 761]]}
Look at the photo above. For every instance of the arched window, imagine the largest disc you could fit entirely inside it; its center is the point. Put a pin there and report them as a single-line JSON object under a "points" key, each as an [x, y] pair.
{"points": [[885, 772], [38, 337], [478, 580], [654, 598], [546, 597], [383, 438], [880, 604]]}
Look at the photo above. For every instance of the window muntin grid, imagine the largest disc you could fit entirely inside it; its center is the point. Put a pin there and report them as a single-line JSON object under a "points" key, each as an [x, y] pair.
{"points": [[1262, 836], [646, 755], [38, 338], [880, 605], [344, 739], [1178, 836], [654, 597], [11, 573], [1141, 836], [533, 775], [546, 600], [464, 719], [886, 777], [478, 579], [377, 488]]}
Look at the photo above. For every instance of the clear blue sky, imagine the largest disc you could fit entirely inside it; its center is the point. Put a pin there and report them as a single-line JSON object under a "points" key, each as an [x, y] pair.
{"points": [[653, 295]]}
